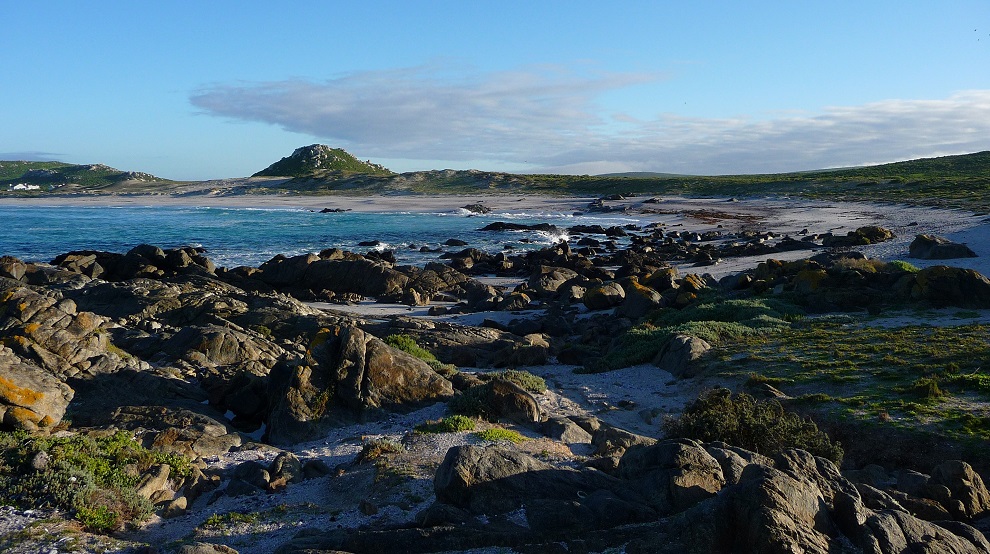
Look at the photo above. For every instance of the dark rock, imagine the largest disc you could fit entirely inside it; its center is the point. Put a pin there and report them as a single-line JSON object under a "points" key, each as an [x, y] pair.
{"points": [[680, 354], [931, 247]]}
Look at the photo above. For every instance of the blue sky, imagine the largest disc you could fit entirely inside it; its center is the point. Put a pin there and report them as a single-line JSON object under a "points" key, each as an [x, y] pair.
{"points": [[201, 90]]}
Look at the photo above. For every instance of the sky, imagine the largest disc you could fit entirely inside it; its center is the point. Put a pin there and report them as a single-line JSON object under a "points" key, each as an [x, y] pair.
{"points": [[206, 90]]}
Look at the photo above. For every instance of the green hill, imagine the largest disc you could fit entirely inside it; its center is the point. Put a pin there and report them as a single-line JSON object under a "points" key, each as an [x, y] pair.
{"points": [[317, 160], [53, 175]]}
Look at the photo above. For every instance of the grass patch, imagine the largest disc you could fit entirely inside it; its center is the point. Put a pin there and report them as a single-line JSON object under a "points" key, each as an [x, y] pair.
{"points": [[219, 521], [450, 424], [715, 319], [496, 434], [930, 380]]}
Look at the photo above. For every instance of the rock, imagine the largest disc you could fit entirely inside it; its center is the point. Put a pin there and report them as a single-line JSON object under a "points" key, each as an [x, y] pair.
{"points": [[30, 398], [604, 296], [477, 208], [503, 226], [154, 480], [733, 460], [286, 467], [360, 276], [371, 374], [566, 431], [546, 280], [671, 476], [870, 234], [508, 400], [495, 480], [679, 355], [951, 286], [662, 279], [12, 268], [175, 507], [613, 441], [205, 548], [896, 532], [639, 300], [965, 487], [931, 247], [513, 302]]}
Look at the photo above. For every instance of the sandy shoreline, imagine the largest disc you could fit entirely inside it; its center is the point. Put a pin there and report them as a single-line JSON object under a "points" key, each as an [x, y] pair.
{"points": [[781, 216]]}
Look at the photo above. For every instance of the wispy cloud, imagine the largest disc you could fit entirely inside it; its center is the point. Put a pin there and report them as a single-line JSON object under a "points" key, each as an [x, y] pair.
{"points": [[551, 118], [30, 156]]}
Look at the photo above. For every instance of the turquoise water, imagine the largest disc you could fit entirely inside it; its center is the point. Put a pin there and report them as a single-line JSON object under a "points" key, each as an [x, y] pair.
{"points": [[250, 236]]}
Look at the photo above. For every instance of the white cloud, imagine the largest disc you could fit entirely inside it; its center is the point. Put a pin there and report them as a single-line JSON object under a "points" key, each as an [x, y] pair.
{"points": [[550, 119]]}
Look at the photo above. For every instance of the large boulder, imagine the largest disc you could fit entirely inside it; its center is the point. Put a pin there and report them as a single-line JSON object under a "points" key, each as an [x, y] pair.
{"points": [[931, 247], [952, 286], [639, 301], [359, 275], [680, 355], [496, 480], [967, 497], [671, 476], [605, 296], [30, 398]]}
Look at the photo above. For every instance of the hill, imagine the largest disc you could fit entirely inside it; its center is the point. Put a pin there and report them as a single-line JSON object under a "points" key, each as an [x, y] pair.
{"points": [[318, 160], [48, 176]]}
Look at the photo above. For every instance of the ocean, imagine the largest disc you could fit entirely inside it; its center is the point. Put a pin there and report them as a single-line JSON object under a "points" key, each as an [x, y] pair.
{"points": [[250, 236]]}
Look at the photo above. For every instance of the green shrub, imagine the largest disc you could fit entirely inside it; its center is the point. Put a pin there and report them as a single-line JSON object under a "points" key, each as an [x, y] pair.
{"points": [[450, 424], [741, 420], [926, 389], [903, 266], [524, 379], [91, 476], [377, 448], [445, 370], [217, 521], [408, 344], [496, 434], [473, 402]]}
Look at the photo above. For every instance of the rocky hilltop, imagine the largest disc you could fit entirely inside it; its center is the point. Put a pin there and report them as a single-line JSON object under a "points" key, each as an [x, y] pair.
{"points": [[158, 399], [319, 160]]}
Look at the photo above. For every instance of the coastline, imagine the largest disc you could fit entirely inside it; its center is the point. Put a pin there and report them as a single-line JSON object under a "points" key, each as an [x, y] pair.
{"points": [[777, 215]]}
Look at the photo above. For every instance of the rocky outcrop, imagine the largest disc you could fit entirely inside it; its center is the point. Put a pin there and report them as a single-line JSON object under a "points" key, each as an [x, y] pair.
{"points": [[931, 247], [30, 398]]}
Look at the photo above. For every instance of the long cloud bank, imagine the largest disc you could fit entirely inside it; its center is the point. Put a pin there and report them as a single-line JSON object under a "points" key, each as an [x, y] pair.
{"points": [[552, 121]]}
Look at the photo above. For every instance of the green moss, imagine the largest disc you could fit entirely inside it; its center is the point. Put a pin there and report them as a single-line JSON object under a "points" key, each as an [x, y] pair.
{"points": [[408, 345], [715, 319]]}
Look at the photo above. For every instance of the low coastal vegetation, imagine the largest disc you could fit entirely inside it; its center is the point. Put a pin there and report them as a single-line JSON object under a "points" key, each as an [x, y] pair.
{"points": [[94, 478], [739, 419]]}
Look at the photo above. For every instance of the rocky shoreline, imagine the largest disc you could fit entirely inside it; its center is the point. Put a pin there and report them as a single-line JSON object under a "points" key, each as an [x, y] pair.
{"points": [[202, 363]]}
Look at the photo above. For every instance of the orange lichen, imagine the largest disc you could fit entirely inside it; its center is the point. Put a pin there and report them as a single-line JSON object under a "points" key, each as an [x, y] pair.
{"points": [[10, 393]]}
